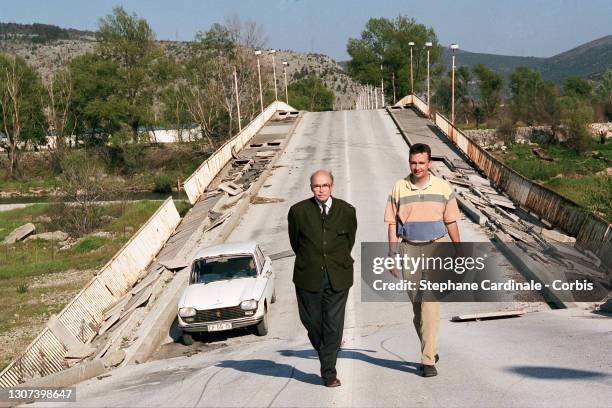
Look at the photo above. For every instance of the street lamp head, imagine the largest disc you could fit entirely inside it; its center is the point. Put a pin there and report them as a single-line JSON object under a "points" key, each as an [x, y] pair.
{"points": [[285, 63], [258, 52], [411, 43], [428, 44], [454, 46]]}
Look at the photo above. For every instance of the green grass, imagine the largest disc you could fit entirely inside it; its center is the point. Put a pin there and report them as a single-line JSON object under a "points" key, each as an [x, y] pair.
{"points": [[89, 244], [26, 303], [9, 220], [37, 257], [570, 174]]}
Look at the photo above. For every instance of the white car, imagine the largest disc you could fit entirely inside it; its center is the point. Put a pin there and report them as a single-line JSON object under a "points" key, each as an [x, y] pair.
{"points": [[230, 286]]}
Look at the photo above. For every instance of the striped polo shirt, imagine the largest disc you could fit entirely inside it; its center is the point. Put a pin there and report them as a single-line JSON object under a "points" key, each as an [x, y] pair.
{"points": [[421, 213]]}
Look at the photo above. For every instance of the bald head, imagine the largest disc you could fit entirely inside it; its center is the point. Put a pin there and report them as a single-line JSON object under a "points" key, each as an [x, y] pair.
{"points": [[321, 184]]}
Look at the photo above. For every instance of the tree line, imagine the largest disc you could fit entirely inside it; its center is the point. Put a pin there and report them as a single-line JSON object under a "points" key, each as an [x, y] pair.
{"points": [[128, 85], [482, 96]]}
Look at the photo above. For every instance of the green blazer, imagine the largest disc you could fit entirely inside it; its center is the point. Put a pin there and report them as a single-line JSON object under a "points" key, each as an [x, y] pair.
{"points": [[321, 245]]}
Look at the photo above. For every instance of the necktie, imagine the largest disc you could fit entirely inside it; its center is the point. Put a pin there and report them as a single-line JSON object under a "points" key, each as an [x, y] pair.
{"points": [[323, 211]]}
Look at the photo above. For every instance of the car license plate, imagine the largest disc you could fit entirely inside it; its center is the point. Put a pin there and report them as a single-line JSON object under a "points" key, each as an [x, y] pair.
{"points": [[219, 327]]}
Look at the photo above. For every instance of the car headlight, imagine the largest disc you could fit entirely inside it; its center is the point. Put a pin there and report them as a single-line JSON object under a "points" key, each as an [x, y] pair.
{"points": [[187, 312], [248, 304]]}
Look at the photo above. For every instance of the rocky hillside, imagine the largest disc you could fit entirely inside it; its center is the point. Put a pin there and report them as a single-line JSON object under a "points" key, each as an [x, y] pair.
{"points": [[49, 47]]}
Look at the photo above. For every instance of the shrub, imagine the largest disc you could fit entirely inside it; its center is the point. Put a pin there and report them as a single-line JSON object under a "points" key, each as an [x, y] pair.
{"points": [[163, 184]]}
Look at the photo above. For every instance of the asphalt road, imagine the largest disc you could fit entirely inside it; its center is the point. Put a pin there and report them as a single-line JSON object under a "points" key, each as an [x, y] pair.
{"points": [[546, 358]]}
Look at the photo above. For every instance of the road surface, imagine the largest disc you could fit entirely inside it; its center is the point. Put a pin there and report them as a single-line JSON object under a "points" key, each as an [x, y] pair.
{"points": [[546, 358]]}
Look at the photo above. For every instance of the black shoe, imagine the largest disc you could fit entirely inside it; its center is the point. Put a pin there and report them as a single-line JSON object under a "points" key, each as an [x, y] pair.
{"points": [[332, 382], [437, 358], [429, 371]]}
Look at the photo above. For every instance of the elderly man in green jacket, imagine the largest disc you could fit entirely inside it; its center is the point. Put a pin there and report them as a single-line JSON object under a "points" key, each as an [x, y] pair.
{"points": [[322, 234]]}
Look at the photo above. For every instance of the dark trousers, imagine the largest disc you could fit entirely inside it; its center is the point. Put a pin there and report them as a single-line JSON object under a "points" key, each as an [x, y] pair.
{"points": [[322, 314]]}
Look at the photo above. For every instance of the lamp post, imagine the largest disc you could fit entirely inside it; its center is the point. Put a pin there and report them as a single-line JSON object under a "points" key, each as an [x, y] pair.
{"points": [[237, 100], [258, 53], [393, 81], [382, 88], [411, 44], [428, 46], [453, 47], [274, 73], [285, 65]]}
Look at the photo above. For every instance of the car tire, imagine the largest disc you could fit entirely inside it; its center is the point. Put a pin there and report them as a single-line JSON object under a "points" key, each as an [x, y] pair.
{"points": [[262, 327], [273, 298], [187, 339]]}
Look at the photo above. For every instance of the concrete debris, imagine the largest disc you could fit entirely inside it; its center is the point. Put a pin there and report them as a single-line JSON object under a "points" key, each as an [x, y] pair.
{"points": [[266, 153], [172, 265], [115, 358], [557, 236], [137, 300], [75, 349], [20, 233], [49, 236], [266, 200], [487, 315], [219, 221], [284, 254], [230, 188], [235, 154]]}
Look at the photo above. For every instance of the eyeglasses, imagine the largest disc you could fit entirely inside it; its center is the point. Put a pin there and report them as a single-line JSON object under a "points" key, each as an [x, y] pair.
{"points": [[320, 186]]}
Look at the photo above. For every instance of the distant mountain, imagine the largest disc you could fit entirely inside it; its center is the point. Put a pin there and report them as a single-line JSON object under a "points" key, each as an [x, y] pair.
{"points": [[588, 60], [41, 33]]}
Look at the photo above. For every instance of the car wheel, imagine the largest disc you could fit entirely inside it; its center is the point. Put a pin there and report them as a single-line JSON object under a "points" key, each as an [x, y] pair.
{"points": [[187, 339], [262, 327], [273, 299]]}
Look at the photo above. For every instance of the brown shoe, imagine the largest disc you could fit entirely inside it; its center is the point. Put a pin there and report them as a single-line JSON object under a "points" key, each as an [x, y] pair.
{"points": [[332, 382]]}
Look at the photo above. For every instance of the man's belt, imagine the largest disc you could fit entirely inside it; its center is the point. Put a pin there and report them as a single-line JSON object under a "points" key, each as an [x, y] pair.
{"points": [[420, 243]]}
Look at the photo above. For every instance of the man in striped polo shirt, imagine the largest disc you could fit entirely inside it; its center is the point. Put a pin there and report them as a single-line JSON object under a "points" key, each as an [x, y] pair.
{"points": [[421, 210]]}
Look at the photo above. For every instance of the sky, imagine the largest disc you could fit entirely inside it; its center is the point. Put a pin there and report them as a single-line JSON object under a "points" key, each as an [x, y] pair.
{"points": [[539, 28]]}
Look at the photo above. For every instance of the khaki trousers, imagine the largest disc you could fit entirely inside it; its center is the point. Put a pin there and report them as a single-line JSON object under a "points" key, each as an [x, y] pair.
{"points": [[426, 314]]}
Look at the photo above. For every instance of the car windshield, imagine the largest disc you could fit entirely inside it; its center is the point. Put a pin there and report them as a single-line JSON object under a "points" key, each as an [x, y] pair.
{"points": [[224, 268]]}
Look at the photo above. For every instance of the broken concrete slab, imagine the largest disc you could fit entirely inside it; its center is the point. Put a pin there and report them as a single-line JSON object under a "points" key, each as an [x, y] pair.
{"points": [[284, 254], [557, 236], [487, 315], [230, 188], [20, 233], [63, 334], [173, 264], [115, 358], [137, 301]]}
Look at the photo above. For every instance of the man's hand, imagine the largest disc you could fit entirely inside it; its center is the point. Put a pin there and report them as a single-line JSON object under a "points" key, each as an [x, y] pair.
{"points": [[394, 271]]}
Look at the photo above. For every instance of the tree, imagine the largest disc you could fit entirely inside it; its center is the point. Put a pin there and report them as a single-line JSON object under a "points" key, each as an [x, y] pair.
{"points": [[310, 93], [385, 41], [577, 87], [57, 102], [576, 117], [603, 93], [21, 116], [129, 43], [534, 100], [98, 110], [490, 85]]}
